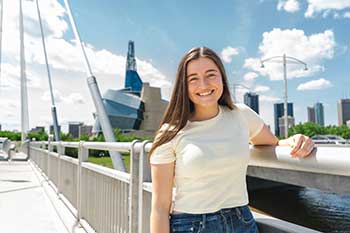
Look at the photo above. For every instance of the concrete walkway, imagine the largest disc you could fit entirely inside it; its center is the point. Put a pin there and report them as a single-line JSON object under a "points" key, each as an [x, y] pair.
{"points": [[29, 205]]}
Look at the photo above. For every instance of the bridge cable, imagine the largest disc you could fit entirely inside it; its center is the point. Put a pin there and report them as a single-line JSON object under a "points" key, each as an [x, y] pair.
{"points": [[97, 98], [53, 107]]}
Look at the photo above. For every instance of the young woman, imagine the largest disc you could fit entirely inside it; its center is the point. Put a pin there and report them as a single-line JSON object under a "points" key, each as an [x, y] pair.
{"points": [[202, 148]]}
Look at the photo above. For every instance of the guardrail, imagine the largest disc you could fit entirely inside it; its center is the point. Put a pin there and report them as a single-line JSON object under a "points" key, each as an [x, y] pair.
{"points": [[108, 200]]}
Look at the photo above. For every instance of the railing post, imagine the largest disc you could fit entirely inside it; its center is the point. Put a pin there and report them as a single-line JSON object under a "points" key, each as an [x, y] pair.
{"points": [[143, 176], [60, 150], [27, 148], [49, 150], [83, 155], [133, 188]]}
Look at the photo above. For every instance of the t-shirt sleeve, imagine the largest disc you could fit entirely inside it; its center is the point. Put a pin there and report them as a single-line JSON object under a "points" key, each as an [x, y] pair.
{"points": [[164, 153], [254, 122]]}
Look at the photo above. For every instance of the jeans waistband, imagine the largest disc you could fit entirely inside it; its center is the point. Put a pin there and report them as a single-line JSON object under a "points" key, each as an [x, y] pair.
{"points": [[183, 217]]}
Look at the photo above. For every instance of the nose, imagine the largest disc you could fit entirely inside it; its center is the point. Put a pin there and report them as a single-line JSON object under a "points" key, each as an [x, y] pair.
{"points": [[203, 82]]}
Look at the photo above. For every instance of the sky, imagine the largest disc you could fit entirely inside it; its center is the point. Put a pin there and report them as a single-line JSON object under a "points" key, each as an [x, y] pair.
{"points": [[241, 31]]}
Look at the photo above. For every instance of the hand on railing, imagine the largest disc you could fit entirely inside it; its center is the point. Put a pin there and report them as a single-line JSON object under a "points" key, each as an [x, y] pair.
{"points": [[301, 145]]}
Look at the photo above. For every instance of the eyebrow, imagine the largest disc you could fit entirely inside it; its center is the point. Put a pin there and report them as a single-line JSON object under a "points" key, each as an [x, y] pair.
{"points": [[211, 70], [208, 71]]}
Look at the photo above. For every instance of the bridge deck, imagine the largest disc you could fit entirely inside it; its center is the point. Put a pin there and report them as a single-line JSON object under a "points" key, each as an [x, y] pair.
{"points": [[28, 204]]}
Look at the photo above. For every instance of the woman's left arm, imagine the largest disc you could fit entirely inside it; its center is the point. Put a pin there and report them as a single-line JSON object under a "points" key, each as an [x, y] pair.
{"points": [[301, 145]]}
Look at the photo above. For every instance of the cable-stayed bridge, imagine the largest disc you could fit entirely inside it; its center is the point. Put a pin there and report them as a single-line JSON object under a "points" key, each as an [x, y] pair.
{"points": [[43, 190]]}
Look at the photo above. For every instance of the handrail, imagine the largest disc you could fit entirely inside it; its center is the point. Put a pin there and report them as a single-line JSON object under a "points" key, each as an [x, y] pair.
{"points": [[324, 160]]}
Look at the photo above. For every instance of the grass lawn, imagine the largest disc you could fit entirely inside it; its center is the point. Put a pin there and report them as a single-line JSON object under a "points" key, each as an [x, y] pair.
{"points": [[107, 161]]}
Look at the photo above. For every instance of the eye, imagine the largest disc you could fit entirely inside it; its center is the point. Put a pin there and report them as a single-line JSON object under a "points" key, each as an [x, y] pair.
{"points": [[211, 76], [192, 79]]}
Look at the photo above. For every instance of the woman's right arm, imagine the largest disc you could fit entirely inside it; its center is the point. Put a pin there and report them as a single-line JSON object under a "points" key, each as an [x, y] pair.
{"points": [[162, 187]]}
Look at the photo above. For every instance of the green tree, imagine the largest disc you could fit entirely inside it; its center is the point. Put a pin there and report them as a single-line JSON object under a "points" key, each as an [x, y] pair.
{"points": [[310, 129]]}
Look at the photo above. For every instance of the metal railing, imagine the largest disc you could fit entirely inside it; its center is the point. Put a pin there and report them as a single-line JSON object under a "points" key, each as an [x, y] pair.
{"points": [[108, 200], [97, 196]]}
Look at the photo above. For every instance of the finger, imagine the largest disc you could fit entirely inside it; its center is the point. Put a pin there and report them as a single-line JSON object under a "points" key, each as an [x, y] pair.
{"points": [[302, 150], [305, 149], [311, 146], [298, 142]]}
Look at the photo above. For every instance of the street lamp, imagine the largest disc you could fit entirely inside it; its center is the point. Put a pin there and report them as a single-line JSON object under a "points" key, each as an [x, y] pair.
{"points": [[285, 60]]}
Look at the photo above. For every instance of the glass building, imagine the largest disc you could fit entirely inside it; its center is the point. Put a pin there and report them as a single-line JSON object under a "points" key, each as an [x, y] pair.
{"points": [[311, 114], [252, 100], [343, 111], [279, 112], [319, 114], [124, 107]]}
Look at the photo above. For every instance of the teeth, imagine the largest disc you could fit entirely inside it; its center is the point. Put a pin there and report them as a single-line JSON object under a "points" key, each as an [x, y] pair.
{"points": [[205, 93]]}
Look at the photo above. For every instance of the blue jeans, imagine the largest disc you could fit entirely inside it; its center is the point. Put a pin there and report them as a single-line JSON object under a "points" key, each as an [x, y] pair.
{"points": [[237, 220]]}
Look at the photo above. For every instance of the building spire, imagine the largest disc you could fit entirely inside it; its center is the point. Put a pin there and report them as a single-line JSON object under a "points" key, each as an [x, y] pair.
{"points": [[133, 82], [130, 60]]}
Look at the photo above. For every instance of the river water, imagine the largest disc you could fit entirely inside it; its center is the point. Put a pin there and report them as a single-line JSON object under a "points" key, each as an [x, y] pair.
{"points": [[322, 211]]}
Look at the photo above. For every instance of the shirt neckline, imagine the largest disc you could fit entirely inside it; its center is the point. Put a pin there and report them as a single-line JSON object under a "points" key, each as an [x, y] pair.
{"points": [[210, 120]]}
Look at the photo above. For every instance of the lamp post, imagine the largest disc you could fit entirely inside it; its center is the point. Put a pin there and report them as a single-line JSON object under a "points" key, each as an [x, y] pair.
{"points": [[284, 60]]}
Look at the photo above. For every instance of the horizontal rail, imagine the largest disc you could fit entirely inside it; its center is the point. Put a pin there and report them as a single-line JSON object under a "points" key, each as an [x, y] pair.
{"points": [[323, 160], [122, 176], [69, 159], [112, 146]]}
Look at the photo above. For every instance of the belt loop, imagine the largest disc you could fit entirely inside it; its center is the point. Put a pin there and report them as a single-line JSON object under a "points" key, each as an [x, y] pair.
{"points": [[238, 212], [204, 216]]}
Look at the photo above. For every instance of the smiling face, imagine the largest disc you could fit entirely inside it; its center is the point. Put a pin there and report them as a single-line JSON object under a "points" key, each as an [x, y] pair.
{"points": [[204, 82]]}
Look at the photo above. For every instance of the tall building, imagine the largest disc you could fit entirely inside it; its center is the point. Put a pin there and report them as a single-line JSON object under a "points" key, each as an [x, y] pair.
{"points": [[52, 130], [291, 123], [279, 112], [73, 128], [38, 129], [136, 107], [343, 111], [319, 113], [311, 114], [85, 130], [252, 100]]}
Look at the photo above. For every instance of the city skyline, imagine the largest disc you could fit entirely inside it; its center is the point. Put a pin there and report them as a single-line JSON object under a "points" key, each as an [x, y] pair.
{"points": [[313, 32]]}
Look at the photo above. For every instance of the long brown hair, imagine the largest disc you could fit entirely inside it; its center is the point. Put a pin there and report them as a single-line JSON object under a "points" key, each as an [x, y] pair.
{"points": [[180, 106]]}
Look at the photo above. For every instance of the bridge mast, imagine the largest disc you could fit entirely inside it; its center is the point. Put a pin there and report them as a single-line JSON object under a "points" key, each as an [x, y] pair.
{"points": [[24, 95]]}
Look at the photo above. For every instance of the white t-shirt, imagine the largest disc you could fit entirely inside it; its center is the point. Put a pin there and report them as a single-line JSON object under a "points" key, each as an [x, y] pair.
{"points": [[211, 159]]}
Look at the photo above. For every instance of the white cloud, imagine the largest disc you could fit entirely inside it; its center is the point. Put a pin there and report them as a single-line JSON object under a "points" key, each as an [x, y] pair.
{"points": [[266, 98], [290, 6], [261, 88], [228, 52], [318, 84], [312, 49], [75, 98], [250, 76], [56, 95], [326, 7]]}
